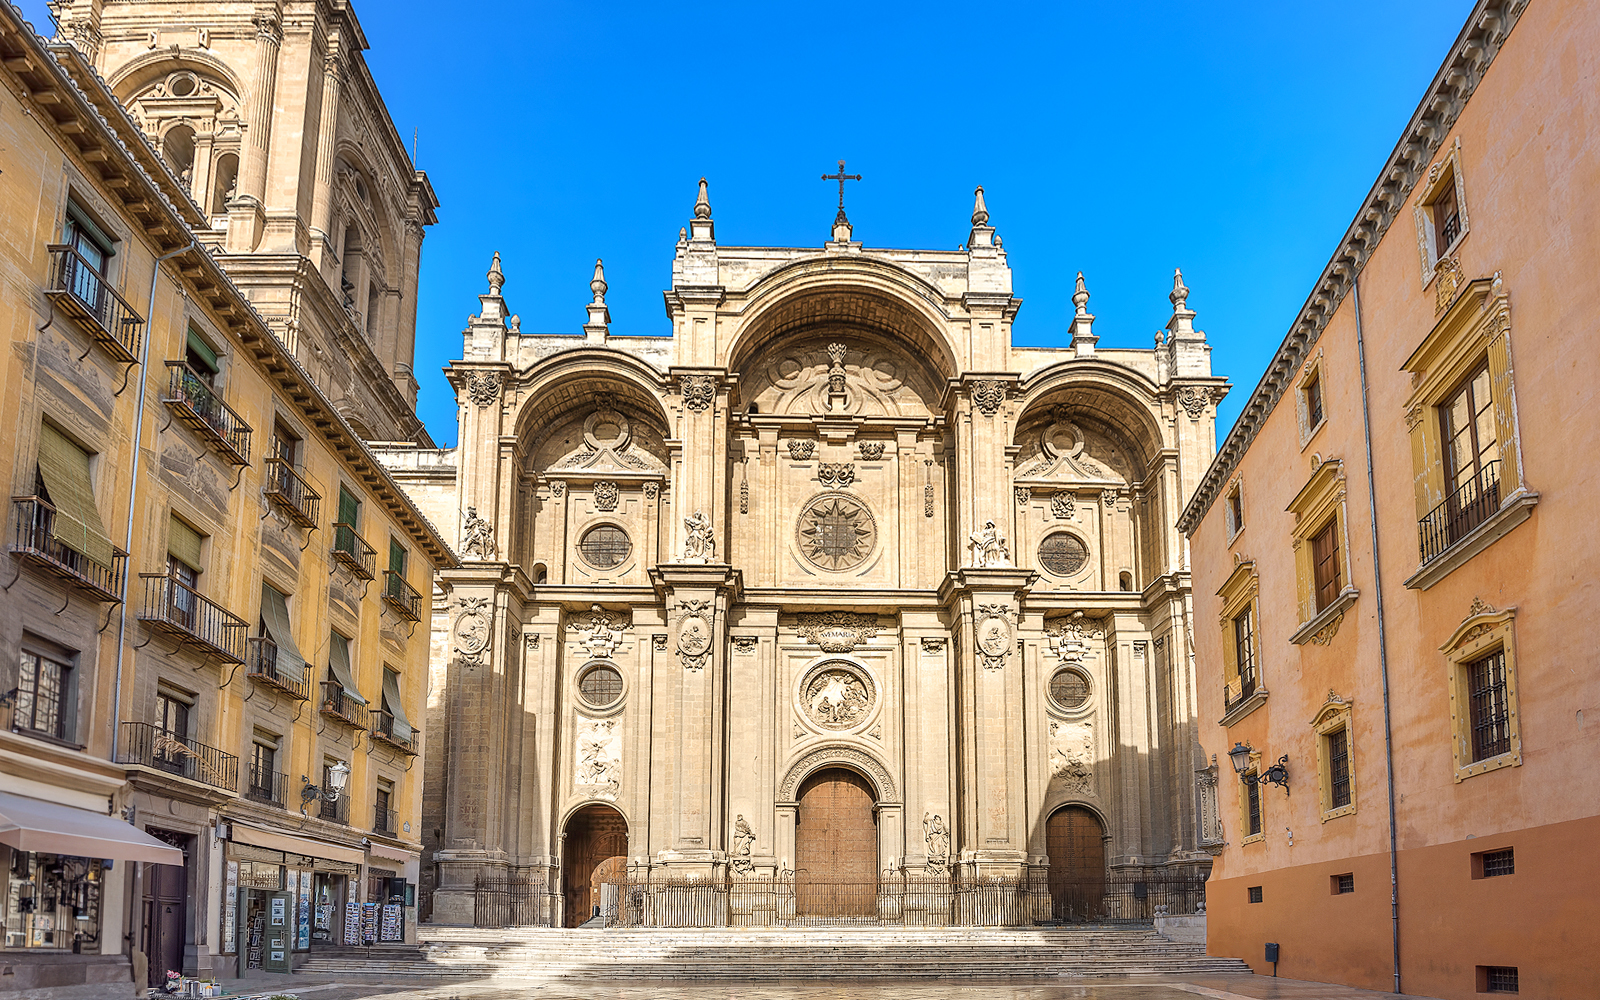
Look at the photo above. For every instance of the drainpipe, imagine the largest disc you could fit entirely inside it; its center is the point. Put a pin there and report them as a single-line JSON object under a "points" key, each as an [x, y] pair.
{"points": [[133, 485], [1383, 645]]}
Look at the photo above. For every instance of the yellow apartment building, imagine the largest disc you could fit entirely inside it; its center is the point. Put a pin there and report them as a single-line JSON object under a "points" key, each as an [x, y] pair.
{"points": [[1393, 551], [214, 604]]}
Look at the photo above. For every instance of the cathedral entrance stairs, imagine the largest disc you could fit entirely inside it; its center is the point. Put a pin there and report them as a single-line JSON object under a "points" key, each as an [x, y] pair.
{"points": [[708, 954]]}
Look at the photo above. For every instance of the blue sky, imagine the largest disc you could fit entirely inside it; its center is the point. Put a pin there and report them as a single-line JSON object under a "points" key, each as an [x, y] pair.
{"points": [[1233, 140]]}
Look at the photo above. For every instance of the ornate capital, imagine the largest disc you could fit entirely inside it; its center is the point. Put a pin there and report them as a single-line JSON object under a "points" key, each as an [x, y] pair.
{"points": [[483, 388], [698, 391], [1192, 400], [988, 394]]}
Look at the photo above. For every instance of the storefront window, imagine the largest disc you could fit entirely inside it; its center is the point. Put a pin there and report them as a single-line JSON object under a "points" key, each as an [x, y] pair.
{"points": [[51, 901]]}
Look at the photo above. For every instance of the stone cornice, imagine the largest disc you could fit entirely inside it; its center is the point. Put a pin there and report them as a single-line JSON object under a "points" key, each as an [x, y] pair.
{"points": [[1486, 30]]}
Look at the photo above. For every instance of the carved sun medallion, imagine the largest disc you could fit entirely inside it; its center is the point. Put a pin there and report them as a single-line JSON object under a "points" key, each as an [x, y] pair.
{"points": [[835, 695], [836, 532]]}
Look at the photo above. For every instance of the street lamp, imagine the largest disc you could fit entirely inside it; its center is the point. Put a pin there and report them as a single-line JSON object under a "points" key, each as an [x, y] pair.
{"points": [[338, 775], [1277, 774]]}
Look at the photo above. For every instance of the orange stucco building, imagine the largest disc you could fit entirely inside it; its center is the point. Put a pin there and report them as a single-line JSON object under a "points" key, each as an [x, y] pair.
{"points": [[1394, 558]]}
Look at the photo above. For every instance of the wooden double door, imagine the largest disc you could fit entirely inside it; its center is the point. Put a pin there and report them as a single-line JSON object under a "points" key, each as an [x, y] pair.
{"points": [[595, 835], [1075, 843], [836, 846]]}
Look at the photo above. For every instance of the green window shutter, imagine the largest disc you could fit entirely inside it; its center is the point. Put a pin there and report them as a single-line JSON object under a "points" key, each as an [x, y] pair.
{"points": [[183, 544], [64, 467], [397, 558], [339, 664], [391, 704], [275, 613], [349, 509], [198, 345]]}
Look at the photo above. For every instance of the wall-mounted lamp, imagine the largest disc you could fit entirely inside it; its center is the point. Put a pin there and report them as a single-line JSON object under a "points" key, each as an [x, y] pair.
{"points": [[1277, 774], [338, 775]]}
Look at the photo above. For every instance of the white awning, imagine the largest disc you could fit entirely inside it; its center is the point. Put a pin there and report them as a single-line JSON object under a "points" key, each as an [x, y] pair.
{"points": [[400, 854], [35, 825], [273, 841]]}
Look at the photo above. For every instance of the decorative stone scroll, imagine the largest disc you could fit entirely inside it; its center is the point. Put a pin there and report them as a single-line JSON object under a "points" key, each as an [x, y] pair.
{"points": [[606, 495], [837, 631], [871, 451], [995, 635], [599, 631], [933, 645], [698, 391], [836, 475], [801, 449], [483, 388], [988, 394], [1061, 505], [472, 630], [835, 754], [1024, 495], [1192, 400]]}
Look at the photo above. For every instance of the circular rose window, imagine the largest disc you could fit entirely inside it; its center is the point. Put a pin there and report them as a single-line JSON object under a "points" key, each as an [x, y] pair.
{"points": [[836, 696], [600, 687], [836, 532], [1069, 689], [605, 546], [1063, 554]]}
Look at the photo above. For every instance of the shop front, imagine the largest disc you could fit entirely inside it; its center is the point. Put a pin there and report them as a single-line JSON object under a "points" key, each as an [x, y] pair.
{"points": [[279, 905]]}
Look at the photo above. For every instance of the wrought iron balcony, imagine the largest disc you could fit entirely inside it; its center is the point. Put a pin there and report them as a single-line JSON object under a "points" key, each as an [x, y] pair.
{"points": [[385, 821], [34, 541], [199, 406], [383, 730], [290, 493], [401, 596], [153, 747], [337, 704], [173, 606], [263, 667], [1236, 692], [83, 292], [1466, 508], [334, 810], [266, 786], [349, 549]]}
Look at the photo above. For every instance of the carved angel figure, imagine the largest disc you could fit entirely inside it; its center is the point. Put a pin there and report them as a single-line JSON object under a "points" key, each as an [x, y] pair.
{"points": [[477, 537], [989, 547], [838, 698], [698, 545]]}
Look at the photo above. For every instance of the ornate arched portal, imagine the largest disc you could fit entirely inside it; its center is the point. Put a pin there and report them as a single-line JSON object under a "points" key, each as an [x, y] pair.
{"points": [[1075, 843], [836, 845], [596, 843]]}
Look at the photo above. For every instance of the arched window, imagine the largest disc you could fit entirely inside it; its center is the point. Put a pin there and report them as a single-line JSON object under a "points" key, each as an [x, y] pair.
{"points": [[224, 183], [177, 148]]}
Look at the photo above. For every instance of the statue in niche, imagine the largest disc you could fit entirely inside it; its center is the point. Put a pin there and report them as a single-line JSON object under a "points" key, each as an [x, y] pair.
{"points": [[989, 548], [478, 537], [744, 840], [937, 836], [698, 545]]}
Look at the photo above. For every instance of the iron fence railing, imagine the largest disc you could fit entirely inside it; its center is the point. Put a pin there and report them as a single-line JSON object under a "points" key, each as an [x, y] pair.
{"points": [[525, 901], [173, 606], [262, 666], [34, 541], [291, 493], [197, 404], [337, 703], [385, 821], [267, 786], [1464, 509], [81, 290], [334, 809], [401, 596], [383, 729], [1235, 692], [154, 747], [349, 548]]}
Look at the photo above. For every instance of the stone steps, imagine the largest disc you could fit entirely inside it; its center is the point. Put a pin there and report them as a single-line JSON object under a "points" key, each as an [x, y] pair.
{"points": [[764, 954]]}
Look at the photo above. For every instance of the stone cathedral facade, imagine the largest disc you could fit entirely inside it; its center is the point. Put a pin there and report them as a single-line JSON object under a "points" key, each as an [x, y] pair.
{"points": [[833, 579]]}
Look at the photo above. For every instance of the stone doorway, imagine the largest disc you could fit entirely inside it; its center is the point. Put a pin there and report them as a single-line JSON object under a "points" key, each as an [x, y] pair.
{"points": [[836, 845], [1075, 843], [594, 835]]}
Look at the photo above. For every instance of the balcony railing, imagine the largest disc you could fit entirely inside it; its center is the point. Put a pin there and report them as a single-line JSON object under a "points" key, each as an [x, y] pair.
{"points": [[173, 606], [199, 406], [385, 821], [401, 596], [266, 786], [1469, 506], [337, 703], [263, 667], [34, 541], [82, 291], [1234, 693], [156, 748], [383, 729], [334, 810], [292, 494], [349, 549]]}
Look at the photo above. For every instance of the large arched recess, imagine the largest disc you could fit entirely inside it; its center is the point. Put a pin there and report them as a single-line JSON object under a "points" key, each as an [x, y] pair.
{"points": [[1121, 403], [858, 292], [140, 72], [567, 381]]}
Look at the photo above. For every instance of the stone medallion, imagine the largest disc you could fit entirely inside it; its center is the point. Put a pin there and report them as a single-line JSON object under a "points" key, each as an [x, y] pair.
{"points": [[836, 532], [837, 695], [995, 635]]}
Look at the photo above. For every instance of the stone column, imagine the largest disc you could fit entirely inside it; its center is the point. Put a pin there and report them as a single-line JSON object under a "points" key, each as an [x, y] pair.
{"points": [[403, 351], [247, 213], [322, 251]]}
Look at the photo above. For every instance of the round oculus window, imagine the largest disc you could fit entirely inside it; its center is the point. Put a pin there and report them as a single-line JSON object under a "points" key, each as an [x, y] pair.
{"points": [[600, 687], [1063, 554], [1069, 689], [605, 546], [836, 532]]}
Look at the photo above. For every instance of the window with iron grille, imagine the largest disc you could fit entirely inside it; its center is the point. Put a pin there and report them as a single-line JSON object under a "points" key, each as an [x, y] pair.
{"points": [[1338, 768], [1255, 894], [1313, 397], [1325, 563], [1252, 793], [1235, 510], [41, 699], [1499, 863], [605, 546], [1244, 647], [1069, 689], [1344, 884], [1490, 710], [600, 686], [1063, 554], [1497, 979], [1446, 217]]}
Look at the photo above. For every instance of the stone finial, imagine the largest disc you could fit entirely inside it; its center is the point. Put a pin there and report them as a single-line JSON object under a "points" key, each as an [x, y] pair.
{"points": [[598, 286], [702, 228], [702, 204], [980, 211], [1180, 291], [596, 330], [1181, 325], [1083, 336], [497, 277], [1080, 296]]}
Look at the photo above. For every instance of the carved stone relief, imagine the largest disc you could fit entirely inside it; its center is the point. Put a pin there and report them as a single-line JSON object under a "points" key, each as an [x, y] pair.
{"points": [[837, 631], [995, 635], [483, 388], [699, 391], [1072, 756], [871, 451], [598, 758], [695, 633], [1061, 505], [472, 629], [836, 475], [988, 394], [801, 449], [598, 631], [836, 695], [605, 496]]}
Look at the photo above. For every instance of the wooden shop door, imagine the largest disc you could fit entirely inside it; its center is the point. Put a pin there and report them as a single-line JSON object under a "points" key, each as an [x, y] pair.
{"points": [[836, 846], [165, 898], [1075, 843]]}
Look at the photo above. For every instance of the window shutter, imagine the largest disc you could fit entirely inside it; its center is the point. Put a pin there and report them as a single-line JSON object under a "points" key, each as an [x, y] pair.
{"points": [[391, 704], [339, 663], [198, 345], [397, 557], [64, 467], [349, 508], [275, 613], [183, 544]]}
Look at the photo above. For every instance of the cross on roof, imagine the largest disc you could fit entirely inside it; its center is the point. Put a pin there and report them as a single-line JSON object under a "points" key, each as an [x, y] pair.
{"points": [[841, 177]]}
